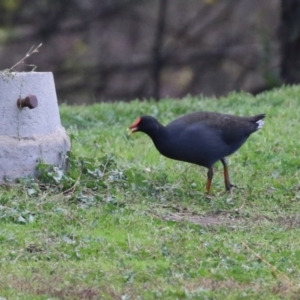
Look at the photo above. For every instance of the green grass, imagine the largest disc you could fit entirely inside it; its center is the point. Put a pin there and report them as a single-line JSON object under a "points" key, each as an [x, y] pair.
{"points": [[127, 223]]}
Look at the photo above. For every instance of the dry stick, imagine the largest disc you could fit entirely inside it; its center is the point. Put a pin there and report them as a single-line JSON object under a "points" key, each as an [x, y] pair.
{"points": [[73, 187], [157, 215], [278, 273], [29, 53]]}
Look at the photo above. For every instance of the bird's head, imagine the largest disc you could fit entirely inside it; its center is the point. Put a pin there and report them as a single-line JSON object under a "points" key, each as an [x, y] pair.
{"points": [[146, 124]]}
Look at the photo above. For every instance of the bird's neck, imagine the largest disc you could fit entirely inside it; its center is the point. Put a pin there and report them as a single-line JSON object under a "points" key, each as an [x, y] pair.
{"points": [[157, 133], [159, 136]]}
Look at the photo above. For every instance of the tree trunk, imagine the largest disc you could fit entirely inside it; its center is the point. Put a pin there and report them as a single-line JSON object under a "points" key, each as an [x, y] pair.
{"points": [[157, 48], [289, 35]]}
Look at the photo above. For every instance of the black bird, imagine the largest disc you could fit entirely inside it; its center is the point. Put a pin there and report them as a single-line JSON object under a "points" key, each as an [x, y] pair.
{"points": [[200, 138]]}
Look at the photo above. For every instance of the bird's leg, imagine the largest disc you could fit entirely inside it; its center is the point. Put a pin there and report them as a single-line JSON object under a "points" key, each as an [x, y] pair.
{"points": [[228, 185], [210, 175]]}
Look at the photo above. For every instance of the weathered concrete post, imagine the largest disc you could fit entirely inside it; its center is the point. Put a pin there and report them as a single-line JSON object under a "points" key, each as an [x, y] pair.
{"points": [[30, 127]]}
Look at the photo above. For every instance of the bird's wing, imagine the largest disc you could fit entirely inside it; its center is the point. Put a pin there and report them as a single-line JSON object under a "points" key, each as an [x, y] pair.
{"points": [[231, 128]]}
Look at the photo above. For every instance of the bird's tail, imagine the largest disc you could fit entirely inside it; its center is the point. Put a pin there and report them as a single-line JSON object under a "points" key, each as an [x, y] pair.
{"points": [[259, 120]]}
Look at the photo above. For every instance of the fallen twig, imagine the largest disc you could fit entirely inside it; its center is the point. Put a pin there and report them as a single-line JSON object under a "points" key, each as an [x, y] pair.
{"points": [[280, 275]]}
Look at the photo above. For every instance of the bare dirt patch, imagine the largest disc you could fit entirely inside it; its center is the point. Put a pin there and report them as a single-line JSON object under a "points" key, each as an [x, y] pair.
{"points": [[179, 214], [289, 221], [56, 287], [199, 220], [184, 214], [231, 218], [230, 284]]}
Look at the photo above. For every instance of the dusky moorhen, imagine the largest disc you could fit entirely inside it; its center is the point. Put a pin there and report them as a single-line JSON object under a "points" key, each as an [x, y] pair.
{"points": [[200, 138]]}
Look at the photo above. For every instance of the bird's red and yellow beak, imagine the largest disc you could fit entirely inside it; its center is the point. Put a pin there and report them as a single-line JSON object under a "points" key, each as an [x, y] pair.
{"points": [[134, 127]]}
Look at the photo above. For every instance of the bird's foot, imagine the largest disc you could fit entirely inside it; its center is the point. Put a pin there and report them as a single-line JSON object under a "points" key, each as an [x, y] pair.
{"points": [[208, 196], [230, 186]]}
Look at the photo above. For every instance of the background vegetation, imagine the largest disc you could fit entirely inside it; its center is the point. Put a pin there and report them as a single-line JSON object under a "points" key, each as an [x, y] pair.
{"points": [[127, 223], [128, 49]]}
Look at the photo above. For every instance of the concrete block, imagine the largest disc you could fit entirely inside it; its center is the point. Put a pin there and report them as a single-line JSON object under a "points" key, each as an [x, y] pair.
{"points": [[28, 136]]}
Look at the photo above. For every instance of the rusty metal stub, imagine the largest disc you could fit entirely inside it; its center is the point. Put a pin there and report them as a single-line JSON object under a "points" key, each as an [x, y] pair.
{"points": [[30, 101]]}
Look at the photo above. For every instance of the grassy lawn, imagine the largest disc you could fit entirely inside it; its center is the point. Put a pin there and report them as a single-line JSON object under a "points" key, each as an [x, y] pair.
{"points": [[126, 223]]}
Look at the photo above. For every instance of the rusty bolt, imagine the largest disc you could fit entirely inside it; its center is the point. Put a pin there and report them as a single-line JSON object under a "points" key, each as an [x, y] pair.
{"points": [[30, 101]]}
